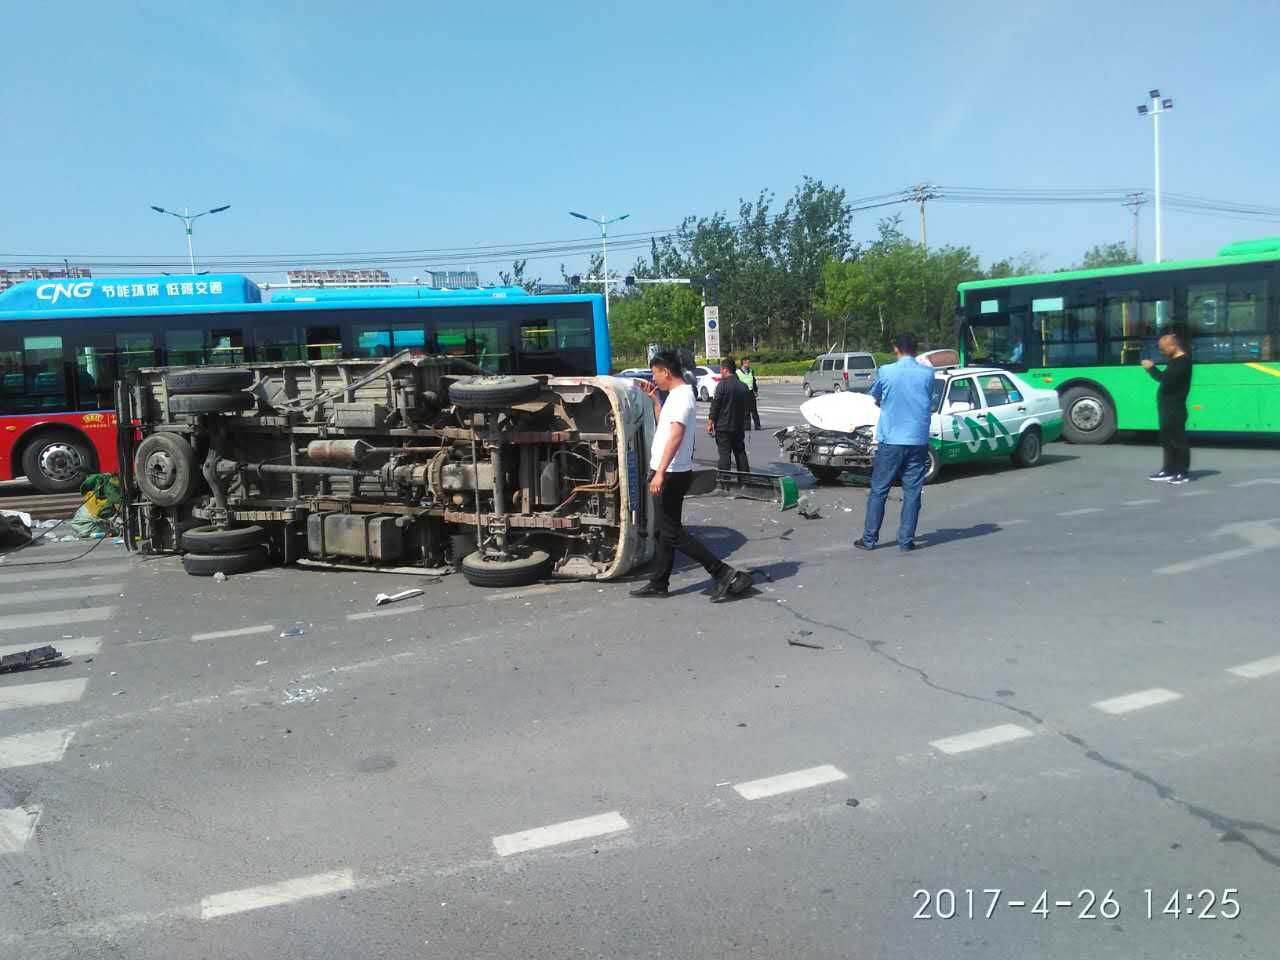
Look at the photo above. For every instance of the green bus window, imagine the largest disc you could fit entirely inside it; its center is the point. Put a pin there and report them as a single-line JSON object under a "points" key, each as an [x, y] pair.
{"points": [[184, 347], [476, 344], [1068, 335], [134, 350], [46, 379], [323, 343], [276, 345], [225, 347]]}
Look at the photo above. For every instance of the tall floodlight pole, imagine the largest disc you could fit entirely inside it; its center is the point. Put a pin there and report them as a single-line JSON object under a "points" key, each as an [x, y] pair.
{"points": [[187, 217], [1153, 110], [604, 250]]}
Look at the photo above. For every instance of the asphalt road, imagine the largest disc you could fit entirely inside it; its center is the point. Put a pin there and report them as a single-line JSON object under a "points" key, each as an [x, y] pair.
{"points": [[1072, 687]]}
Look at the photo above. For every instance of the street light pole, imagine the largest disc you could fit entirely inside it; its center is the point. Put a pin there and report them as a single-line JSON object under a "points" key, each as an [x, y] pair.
{"points": [[187, 218], [1153, 110], [604, 246]]}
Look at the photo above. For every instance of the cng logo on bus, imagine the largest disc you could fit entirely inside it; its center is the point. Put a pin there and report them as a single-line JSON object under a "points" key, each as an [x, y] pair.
{"points": [[53, 292]]}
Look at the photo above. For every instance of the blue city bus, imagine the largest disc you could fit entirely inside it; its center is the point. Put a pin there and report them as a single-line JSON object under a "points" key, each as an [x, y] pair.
{"points": [[63, 343]]}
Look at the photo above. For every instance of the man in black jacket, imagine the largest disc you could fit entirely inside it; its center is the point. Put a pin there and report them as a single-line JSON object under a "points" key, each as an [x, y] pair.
{"points": [[728, 417], [1171, 404]]}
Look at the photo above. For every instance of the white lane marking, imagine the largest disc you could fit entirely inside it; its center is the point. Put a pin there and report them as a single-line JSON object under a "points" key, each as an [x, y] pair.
{"points": [[979, 739], [389, 612], [1196, 493], [1081, 512], [56, 618], [1256, 483], [1259, 534], [1138, 503], [238, 632], [531, 592], [63, 593], [1256, 668], [274, 894], [1139, 700], [1010, 523], [26, 749], [67, 572], [42, 694], [16, 827], [787, 782], [80, 647], [558, 833]]}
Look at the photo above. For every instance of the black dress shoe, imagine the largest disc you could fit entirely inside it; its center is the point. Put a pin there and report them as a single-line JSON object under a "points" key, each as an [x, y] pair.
{"points": [[720, 590], [863, 545], [907, 547], [650, 590]]}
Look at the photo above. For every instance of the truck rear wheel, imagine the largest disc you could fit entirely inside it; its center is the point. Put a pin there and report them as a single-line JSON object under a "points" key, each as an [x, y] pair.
{"points": [[214, 540], [208, 381], [481, 571], [206, 565], [194, 403], [164, 466]]}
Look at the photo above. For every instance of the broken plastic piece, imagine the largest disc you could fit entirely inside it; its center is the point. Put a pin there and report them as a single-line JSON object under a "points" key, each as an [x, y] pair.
{"points": [[32, 659], [385, 598], [292, 632]]}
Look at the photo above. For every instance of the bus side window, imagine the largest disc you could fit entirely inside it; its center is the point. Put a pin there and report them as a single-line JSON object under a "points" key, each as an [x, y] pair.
{"points": [[409, 336], [276, 345], [371, 341], [134, 350], [323, 343], [46, 379], [95, 373], [226, 347], [183, 348], [11, 380]]}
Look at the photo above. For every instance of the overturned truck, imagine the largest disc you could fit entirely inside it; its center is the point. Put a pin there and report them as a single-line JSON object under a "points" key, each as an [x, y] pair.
{"points": [[408, 463]]}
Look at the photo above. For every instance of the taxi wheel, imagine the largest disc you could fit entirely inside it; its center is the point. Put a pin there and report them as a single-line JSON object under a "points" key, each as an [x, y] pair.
{"points": [[1029, 451], [932, 467]]}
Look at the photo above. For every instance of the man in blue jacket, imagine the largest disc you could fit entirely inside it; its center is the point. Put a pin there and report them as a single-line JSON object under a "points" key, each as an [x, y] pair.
{"points": [[904, 391]]}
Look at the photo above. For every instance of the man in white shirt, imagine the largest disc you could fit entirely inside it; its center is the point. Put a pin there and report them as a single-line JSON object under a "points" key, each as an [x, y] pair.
{"points": [[670, 473]]}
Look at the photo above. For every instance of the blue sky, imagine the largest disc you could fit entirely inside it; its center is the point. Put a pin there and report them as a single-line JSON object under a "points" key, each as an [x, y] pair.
{"points": [[390, 126]]}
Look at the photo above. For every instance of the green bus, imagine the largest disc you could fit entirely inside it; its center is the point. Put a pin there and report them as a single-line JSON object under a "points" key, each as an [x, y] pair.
{"points": [[1086, 332]]}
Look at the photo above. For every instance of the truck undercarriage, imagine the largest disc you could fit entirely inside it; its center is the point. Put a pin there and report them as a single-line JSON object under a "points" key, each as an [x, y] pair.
{"points": [[404, 463]]}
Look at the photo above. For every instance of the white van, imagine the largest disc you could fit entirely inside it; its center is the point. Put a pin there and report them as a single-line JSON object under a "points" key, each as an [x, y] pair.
{"points": [[840, 371]]}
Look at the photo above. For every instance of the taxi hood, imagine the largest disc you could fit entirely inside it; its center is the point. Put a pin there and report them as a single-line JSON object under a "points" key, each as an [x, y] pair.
{"points": [[841, 412]]}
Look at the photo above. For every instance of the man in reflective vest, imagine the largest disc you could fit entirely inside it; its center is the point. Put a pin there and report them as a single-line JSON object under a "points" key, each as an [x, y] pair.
{"points": [[748, 377]]}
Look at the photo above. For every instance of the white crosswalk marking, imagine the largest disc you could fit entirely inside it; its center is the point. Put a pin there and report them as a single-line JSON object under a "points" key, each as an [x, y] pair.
{"points": [[64, 572], [16, 827], [42, 694], [63, 593], [55, 618], [28, 749]]}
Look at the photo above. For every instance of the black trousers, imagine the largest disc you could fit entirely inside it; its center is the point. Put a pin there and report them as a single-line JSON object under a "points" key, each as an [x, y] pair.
{"points": [[1173, 438], [732, 444], [753, 411], [672, 535]]}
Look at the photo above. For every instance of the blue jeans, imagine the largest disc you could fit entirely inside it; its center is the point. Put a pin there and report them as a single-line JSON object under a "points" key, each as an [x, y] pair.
{"points": [[894, 461]]}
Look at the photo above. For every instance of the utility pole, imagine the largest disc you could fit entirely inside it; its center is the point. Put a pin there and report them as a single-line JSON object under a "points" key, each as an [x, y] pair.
{"points": [[1135, 203], [921, 193], [1153, 110]]}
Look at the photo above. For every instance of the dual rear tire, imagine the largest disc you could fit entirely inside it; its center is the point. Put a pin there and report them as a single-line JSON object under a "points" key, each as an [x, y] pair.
{"points": [[212, 550]]}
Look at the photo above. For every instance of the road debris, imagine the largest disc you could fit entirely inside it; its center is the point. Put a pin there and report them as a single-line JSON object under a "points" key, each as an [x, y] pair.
{"points": [[32, 659], [303, 694], [799, 641], [219, 577], [292, 632], [262, 663], [809, 508], [384, 598]]}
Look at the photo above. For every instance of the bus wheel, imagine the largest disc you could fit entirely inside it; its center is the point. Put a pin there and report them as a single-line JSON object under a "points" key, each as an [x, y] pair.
{"points": [[57, 462], [1087, 416], [164, 466]]}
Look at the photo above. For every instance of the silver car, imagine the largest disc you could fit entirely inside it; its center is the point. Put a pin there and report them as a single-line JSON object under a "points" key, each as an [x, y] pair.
{"points": [[840, 371]]}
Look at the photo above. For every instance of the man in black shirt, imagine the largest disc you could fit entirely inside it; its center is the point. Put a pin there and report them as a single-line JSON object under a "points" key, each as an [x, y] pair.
{"points": [[1171, 403], [728, 417]]}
